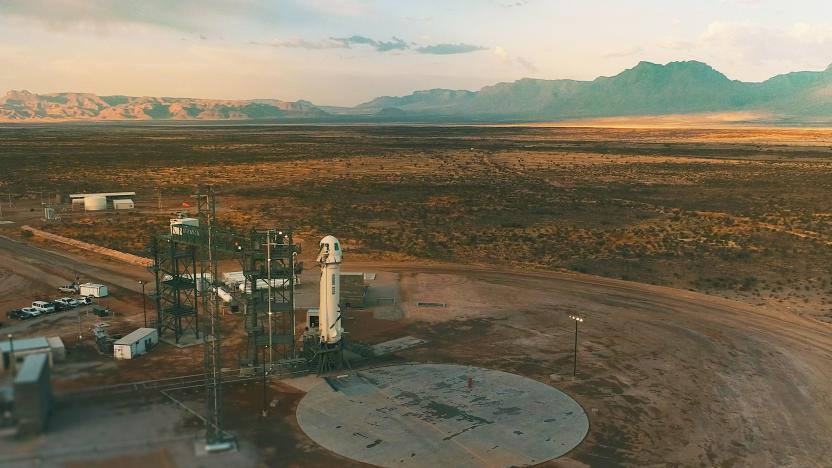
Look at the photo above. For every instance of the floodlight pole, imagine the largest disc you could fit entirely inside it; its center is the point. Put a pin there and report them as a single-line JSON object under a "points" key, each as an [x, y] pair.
{"points": [[577, 319], [11, 353], [144, 303], [575, 362]]}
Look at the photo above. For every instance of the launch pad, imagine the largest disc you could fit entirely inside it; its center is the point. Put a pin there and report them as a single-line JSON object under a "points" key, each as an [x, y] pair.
{"points": [[442, 415]]}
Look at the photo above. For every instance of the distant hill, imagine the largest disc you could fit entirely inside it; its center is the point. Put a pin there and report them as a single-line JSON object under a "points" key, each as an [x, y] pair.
{"points": [[646, 89], [23, 106], [677, 88]]}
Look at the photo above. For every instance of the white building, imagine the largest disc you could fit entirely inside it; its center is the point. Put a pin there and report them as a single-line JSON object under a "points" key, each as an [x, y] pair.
{"points": [[20, 348], [102, 201], [123, 204], [135, 344], [93, 289]]}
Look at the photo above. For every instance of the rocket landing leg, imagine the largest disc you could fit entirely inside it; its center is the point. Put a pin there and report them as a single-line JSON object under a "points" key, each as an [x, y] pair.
{"points": [[324, 357]]}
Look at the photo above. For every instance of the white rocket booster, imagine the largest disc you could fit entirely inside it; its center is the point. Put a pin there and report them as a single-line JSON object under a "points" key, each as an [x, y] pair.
{"points": [[329, 259]]}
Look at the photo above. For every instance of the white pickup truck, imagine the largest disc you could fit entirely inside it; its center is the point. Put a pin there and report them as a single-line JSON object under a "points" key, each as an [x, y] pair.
{"points": [[71, 288]]}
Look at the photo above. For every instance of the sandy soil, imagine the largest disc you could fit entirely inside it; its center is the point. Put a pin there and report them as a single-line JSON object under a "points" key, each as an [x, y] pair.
{"points": [[666, 376]]}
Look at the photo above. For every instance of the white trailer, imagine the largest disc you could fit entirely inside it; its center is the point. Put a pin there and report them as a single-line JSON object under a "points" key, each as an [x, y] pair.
{"points": [[182, 220], [135, 344], [93, 289]]}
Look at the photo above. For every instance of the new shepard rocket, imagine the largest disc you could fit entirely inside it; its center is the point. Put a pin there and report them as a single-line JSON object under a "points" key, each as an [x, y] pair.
{"points": [[329, 259]]}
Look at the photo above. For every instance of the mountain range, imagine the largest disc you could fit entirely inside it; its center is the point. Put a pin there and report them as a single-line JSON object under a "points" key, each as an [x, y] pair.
{"points": [[647, 89]]}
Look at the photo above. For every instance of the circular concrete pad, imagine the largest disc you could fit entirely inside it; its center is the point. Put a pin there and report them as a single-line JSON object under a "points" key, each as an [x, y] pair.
{"points": [[428, 415]]}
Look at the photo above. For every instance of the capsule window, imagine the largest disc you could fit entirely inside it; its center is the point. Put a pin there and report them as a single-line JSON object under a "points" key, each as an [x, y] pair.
{"points": [[336, 247]]}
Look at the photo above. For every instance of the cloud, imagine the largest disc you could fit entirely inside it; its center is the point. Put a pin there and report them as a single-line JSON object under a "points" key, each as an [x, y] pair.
{"points": [[182, 15], [528, 66], [799, 45], [624, 52], [449, 49], [298, 43], [514, 4], [378, 45], [672, 44], [503, 55]]}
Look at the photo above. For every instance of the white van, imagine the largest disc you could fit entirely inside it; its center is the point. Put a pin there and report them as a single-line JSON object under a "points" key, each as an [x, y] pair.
{"points": [[43, 307]]}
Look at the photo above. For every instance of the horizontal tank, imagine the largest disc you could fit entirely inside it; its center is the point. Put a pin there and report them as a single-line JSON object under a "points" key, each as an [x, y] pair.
{"points": [[95, 203]]}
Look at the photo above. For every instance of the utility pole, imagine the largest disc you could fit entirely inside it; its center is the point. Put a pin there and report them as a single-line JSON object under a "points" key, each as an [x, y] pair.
{"points": [[265, 405], [215, 438], [80, 333], [269, 276], [144, 303], [12, 361], [577, 318]]}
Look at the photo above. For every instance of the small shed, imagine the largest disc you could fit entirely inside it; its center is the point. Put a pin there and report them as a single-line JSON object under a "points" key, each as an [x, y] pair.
{"points": [[93, 289], [20, 349], [135, 344], [56, 345], [123, 204], [33, 394]]}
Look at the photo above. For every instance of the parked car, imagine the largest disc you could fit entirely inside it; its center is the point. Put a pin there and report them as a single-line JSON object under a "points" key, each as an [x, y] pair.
{"points": [[67, 302], [16, 314], [29, 312], [59, 306], [100, 311], [84, 300], [44, 307]]}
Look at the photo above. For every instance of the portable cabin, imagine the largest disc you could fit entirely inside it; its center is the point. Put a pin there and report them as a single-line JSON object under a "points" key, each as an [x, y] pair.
{"points": [[135, 344], [20, 349], [94, 290]]}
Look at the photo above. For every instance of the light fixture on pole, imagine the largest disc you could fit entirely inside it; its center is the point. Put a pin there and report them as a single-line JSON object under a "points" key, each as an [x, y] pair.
{"points": [[578, 319]]}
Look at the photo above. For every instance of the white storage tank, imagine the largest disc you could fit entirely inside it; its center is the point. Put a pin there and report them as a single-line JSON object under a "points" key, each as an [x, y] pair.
{"points": [[123, 204], [95, 203], [93, 289], [135, 344]]}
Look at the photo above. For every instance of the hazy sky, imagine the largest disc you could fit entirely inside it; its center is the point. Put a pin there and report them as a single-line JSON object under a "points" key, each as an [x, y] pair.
{"points": [[344, 52]]}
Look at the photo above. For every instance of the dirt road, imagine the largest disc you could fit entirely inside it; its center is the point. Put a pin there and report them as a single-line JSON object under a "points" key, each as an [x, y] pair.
{"points": [[666, 376], [29, 273]]}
